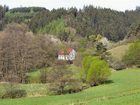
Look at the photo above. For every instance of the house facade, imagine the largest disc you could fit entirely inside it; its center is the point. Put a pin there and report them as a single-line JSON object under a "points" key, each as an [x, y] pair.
{"points": [[68, 55]]}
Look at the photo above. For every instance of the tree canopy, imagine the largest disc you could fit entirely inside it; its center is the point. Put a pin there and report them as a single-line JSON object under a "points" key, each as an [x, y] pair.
{"points": [[94, 70], [112, 24]]}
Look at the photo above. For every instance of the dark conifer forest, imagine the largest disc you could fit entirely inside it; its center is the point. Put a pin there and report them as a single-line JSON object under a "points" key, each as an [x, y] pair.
{"points": [[115, 25]]}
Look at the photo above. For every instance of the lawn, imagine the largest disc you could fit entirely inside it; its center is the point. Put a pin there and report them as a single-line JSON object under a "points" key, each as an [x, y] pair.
{"points": [[122, 89]]}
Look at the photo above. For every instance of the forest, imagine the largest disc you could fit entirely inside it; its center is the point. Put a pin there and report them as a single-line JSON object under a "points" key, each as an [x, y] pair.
{"points": [[90, 20]]}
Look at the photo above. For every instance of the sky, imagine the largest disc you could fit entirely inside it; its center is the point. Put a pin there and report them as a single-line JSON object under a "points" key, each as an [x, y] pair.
{"points": [[120, 5]]}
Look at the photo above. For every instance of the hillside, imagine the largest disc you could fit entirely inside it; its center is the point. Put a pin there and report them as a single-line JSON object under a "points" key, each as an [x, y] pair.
{"points": [[122, 89], [119, 51], [69, 56], [89, 20]]}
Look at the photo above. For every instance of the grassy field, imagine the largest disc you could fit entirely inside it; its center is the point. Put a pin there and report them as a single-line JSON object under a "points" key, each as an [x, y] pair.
{"points": [[119, 51], [122, 89]]}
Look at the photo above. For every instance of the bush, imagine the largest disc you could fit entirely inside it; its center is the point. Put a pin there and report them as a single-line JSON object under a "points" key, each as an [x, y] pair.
{"points": [[116, 64], [132, 56], [62, 81], [94, 71], [71, 87], [74, 86], [12, 91], [16, 93], [33, 77]]}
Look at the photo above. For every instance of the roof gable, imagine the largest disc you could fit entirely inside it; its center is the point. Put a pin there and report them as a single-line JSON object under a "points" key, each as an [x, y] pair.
{"points": [[68, 51]]}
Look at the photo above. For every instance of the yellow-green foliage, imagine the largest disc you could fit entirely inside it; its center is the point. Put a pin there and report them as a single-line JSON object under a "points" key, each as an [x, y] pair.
{"points": [[55, 27], [34, 77], [94, 70], [132, 56]]}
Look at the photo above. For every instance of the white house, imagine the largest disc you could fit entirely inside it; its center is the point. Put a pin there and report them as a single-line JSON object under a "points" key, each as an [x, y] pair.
{"points": [[68, 55]]}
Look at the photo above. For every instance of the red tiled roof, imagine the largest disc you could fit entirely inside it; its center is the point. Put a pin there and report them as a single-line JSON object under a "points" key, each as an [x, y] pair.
{"points": [[62, 52], [69, 50]]}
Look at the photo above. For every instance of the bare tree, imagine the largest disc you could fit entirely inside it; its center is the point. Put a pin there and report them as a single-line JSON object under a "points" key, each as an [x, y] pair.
{"points": [[21, 51], [15, 52]]}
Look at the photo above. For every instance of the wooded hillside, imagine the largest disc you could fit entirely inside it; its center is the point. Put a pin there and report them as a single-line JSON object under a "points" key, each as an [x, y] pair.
{"points": [[112, 24]]}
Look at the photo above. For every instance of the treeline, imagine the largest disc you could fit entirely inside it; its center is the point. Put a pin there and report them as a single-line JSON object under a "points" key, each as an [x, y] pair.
{"points": [[89, 21], [27, 9], [17, 15], [112, 24]]}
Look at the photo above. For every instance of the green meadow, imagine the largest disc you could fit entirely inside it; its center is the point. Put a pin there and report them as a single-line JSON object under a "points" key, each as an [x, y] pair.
{"points": [[122, 88]]}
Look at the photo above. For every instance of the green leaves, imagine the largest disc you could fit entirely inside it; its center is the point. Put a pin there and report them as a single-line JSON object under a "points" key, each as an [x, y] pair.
{"points": [[132, 56], [94, 70], [55, 27]]}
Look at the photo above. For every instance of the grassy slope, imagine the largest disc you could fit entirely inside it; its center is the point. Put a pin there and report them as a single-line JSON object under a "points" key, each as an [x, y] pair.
{"points": [[119, 51], [124, 90]]}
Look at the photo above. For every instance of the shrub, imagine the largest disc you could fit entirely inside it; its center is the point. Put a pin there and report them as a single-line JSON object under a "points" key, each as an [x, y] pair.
{"points": [[94, 71], [33, 77], [62, 81], [132, 56], [74, 86], [12, 91], [57, 88], [116, 64], [16, 93]]}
